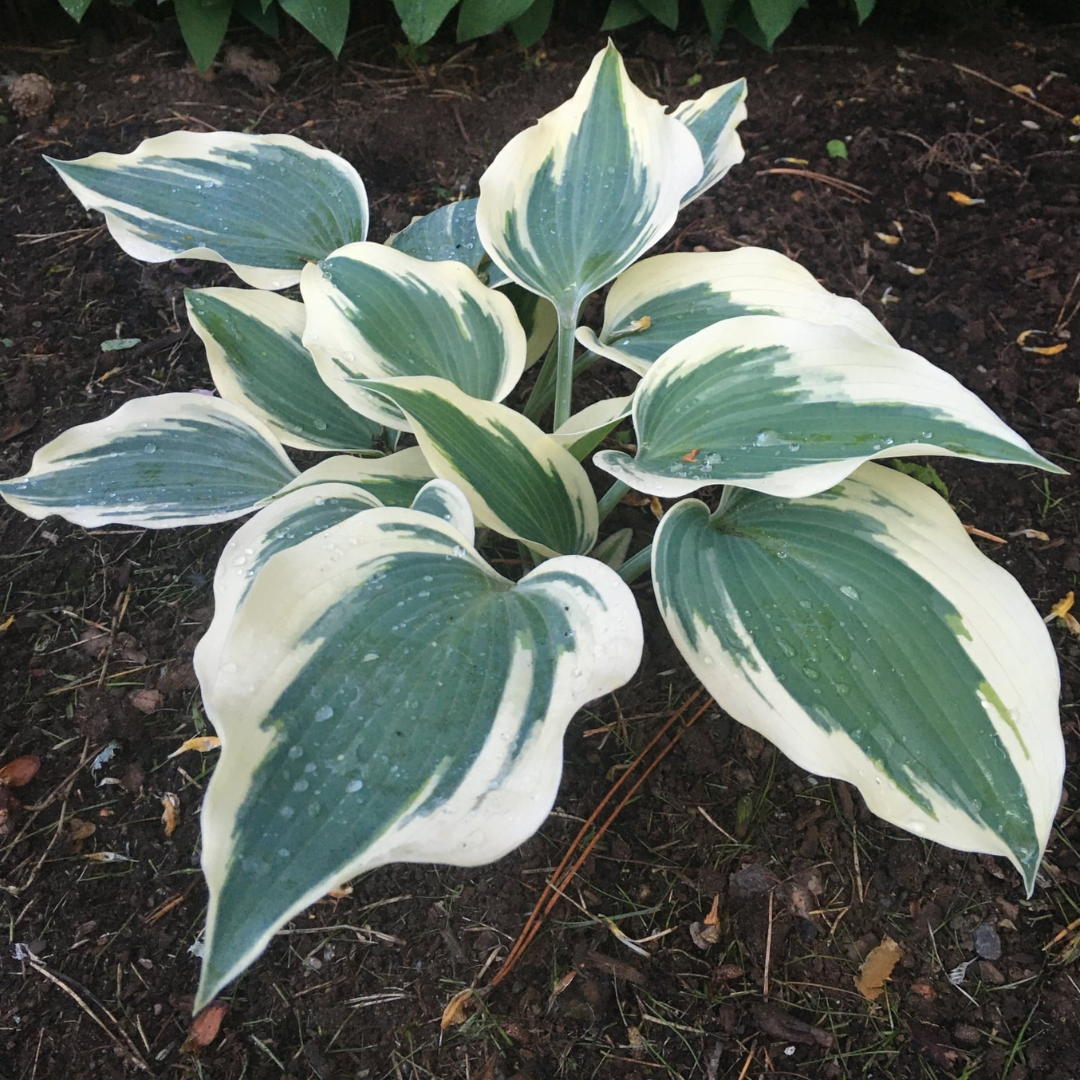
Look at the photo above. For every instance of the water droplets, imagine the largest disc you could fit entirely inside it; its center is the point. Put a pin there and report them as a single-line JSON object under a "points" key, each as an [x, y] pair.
{"points": [[850, 592], [149, 448], [353, 786], [296, 752], [300, 787], [323, 713]]}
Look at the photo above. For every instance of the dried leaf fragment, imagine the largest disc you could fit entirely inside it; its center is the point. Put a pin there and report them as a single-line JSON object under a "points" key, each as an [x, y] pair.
{"points": [[887, 238], [706, 933], [170, 818], [146, 701], [79, 829], [202, 743], [915, 271], [1031, 534], [204, 1028], [20, 770], [1046, 350], [1020, 88], [965, 200], [455, 1011], [877, 969]]}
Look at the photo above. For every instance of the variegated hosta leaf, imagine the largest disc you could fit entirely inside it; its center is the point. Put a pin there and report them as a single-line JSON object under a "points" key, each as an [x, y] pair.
{"points": [[289, 520], [374, 312], [864, 633], [447, 502], [176, 459], [570, 203], [791, 408], [253, 343], [518, 480], [264, 204], [660, 301], [383, 695], [712, 120], [395, 480], [585, 430], [449, 234]]}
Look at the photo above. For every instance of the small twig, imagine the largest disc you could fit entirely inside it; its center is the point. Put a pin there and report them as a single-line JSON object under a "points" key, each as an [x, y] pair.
{"points": [[48, 847], [119, 1037], [63, 787], [117, 620], [746, 1064], [848, 189], [564, 874], [723, 832], [1060, 325], [460, 123], [768, 951], [973, 531], [94, 681], [1009, 90], [360, 931]]}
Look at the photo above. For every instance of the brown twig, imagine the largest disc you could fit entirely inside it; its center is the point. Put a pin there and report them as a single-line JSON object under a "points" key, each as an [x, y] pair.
{"points": [[768, 951], [842, 185], [117, 620], [1009, 90], [120, 1037], [94, 681], [563, 874], [61, 789]]}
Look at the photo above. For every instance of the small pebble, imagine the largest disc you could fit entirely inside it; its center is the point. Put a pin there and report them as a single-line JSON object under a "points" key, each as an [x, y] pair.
{"points": [[986, 940]]}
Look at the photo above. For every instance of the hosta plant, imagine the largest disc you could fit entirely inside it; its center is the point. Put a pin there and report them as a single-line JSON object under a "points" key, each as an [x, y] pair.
{"points": [[381, 692]]}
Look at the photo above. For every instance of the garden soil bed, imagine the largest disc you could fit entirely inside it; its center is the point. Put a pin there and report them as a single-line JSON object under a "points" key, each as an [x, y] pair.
{"points": [[97, 628]]}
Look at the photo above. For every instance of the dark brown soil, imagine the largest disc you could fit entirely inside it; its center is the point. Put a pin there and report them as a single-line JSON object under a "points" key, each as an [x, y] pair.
{"points": [[807, 881]]}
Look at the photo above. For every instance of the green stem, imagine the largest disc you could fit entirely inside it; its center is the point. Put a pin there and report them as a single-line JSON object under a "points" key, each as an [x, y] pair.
{"points": [[564, 375], [543, 391], [636, 565], [611, 499]]}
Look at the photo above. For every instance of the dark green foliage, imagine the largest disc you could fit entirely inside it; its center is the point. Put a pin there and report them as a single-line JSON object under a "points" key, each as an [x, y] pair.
{"points": [[204, 22]]}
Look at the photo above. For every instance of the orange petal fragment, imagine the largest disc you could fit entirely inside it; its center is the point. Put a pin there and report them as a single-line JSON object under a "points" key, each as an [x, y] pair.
{"points": [[203, 743], [964, 200], [1063, 607], [1046, 350], [171, 816]]}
